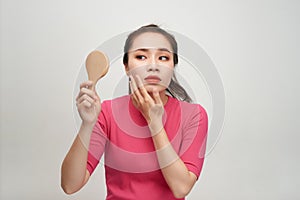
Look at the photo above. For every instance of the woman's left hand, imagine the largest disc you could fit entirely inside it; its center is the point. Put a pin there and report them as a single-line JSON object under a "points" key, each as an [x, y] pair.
{"points": [[151, 108]]}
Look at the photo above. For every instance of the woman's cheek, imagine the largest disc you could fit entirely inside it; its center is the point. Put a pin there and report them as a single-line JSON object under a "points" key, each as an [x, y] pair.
{"points": [[138, 71], [166, 76]]}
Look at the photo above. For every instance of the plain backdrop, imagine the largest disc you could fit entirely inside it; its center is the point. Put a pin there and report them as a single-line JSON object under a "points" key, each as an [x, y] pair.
{"points": [[254, 45]]}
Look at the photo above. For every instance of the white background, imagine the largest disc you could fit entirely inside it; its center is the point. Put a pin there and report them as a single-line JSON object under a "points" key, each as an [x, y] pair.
{"points": [[254, 44]]}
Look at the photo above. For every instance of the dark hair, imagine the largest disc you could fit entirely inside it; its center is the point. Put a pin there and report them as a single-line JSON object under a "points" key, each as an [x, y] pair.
{"points": [[174, 89]]}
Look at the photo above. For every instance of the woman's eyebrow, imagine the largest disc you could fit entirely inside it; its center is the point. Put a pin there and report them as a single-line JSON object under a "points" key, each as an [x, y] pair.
{"points": [[164, 49]]}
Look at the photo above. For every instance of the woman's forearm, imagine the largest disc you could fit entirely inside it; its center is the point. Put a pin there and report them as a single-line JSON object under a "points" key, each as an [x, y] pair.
{"points": [[176, 174], [73, 171]]}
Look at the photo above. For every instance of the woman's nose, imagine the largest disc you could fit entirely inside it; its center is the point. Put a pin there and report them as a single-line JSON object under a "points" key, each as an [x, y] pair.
{"points": [[153, 67]]}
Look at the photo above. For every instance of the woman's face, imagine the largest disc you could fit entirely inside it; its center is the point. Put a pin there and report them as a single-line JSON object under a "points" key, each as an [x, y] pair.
{"points": [[151, 58]]}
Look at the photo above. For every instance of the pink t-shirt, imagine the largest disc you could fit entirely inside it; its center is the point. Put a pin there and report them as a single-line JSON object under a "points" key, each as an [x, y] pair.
{"points": [[131, 167]]}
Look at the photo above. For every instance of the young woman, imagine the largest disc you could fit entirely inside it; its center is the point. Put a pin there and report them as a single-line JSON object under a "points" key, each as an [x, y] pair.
{"points": [[153, 140]]}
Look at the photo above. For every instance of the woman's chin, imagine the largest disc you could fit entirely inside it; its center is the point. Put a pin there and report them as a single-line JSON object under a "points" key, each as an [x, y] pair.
{"points": [[153, 87]]}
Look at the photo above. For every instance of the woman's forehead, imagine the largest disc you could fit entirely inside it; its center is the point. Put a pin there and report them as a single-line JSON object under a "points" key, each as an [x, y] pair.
{"points": [[151, 40]]}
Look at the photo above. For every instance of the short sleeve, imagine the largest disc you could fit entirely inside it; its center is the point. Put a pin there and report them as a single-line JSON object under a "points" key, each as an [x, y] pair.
{"points": [[194, 140], [98, 139]]}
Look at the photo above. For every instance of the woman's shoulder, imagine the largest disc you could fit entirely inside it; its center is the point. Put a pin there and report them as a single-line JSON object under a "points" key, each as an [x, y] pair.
{"points": [[189, 110], [187, 105]]}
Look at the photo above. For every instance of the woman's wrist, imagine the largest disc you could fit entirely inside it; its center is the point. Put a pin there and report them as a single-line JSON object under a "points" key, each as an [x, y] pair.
{"points": [[85, 133], [87, 125], [155, 127]]}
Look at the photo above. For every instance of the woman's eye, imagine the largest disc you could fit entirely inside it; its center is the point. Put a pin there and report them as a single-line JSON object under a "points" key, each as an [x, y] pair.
{"points": [[141, 57], [164, 58]]}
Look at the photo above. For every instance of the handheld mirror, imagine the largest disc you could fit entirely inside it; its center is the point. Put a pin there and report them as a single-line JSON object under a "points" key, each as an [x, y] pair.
{"points": [[97, 66]]}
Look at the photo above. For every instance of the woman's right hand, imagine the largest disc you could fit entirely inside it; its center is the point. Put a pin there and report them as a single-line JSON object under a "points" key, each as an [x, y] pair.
{"points": [[88, 104]]}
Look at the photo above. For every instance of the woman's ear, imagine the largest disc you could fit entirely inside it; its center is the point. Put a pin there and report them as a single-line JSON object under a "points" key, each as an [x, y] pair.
{"points": [[126, 68]]}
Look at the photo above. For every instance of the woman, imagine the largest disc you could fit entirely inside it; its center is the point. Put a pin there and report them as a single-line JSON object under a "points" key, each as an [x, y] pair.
{"points": [[153, 139]]}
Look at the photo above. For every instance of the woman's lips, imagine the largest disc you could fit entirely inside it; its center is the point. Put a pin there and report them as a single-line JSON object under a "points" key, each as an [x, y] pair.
{"points": [[152, 79]]}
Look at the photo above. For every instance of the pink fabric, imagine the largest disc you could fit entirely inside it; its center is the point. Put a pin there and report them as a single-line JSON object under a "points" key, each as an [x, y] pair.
{"points": [[131, 167]]}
